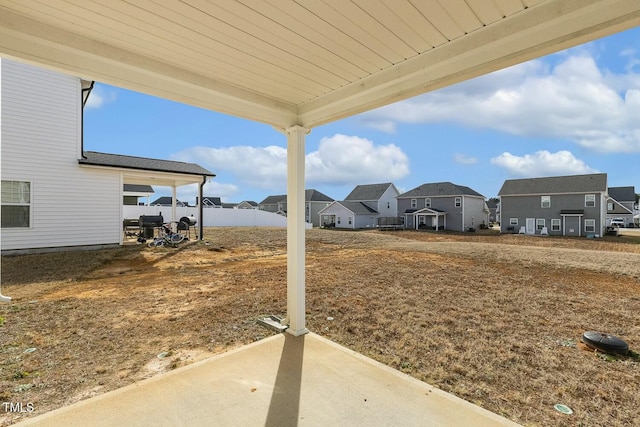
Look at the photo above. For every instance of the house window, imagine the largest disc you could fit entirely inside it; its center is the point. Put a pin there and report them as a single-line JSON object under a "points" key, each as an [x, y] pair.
{"points": [[414, 203], [16, 204], [427, 202], [555, 225], [589, 200], [590, 225], [513, 221], [609, 206], [545, 201], [458, 202], [540, 222], [338, 221], [350, 220], [388, 205]]}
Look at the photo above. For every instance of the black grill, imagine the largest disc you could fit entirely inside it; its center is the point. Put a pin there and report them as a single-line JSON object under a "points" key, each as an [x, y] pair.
{"points": [[151, 221]]}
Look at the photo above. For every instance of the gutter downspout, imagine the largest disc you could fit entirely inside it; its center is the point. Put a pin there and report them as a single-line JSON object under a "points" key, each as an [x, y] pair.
{"points": [[201, 208], [84, 99]]}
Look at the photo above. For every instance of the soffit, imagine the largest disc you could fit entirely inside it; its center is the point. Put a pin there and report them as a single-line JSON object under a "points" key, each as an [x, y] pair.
{"points": [[305, 62]]}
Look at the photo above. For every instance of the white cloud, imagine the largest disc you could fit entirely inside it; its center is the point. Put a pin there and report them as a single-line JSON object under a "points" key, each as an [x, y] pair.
{"points": [[464, 159], [542, 163], [100, 96], [339, 160], [574, 100], [212, 188], [343, 159]]}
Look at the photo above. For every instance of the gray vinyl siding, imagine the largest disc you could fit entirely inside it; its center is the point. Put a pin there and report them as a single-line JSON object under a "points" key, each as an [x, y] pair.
{"points": [[314, 209], [40, 113], [474, 213], [523, 207], [473, 208]]}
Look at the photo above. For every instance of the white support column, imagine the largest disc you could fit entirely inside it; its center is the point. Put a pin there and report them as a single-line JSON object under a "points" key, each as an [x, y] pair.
{"points": [[174, 197], [295, 230]]}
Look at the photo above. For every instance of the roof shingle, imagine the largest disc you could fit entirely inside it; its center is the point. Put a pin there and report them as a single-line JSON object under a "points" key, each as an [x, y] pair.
{"points": [[440, 189], [596, 182], [142, 163], [368, 192]]}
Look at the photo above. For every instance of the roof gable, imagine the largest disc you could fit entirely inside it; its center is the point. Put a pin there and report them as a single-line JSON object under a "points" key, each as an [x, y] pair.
{"points": [[313, 195], [165, 201], [440, 189], [622, 194], [212, 201], [555, 185], [368, 192]]}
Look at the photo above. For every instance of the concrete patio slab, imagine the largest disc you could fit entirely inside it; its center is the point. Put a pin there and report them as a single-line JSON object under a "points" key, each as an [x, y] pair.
{"points": [[279, 381]]}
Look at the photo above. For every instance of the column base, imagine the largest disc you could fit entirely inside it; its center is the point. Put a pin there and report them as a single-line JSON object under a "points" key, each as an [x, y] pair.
{"points": [[297, 333]]}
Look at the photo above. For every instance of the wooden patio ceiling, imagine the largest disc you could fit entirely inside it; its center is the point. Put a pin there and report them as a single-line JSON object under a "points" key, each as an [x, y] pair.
{"points": [[297, 62]]}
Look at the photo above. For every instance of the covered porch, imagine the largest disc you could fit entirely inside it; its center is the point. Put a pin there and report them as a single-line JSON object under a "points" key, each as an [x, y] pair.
{"points": [[430, 217], [294, 66], [140, 171]]}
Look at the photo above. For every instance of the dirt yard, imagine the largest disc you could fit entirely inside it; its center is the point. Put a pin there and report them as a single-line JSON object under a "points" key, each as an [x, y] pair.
{"points": [[494, 319]]}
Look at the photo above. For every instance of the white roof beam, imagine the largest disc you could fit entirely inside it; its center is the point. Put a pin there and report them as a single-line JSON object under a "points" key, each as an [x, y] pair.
{"points": [[44, 45]]}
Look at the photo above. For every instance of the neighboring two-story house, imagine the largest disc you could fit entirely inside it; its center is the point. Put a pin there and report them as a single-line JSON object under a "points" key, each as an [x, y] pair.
{"points": [[315, 201], [362, 207], [133, 192], [274, 203], [622, 204], [443, 205], [573, 205]]}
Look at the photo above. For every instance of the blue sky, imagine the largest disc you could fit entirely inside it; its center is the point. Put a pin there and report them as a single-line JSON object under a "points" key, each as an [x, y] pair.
{"points": [[573, 112]]}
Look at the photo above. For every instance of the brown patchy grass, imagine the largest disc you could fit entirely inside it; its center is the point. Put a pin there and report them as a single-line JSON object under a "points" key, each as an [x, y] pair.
{"points": [[493, 319]]}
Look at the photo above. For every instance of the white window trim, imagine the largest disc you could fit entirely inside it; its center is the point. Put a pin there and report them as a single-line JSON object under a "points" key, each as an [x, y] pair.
{"points": [[427, 202], [589, 221], [558, 223], [544, 199], [414, 203], [589, 196], [540, 223], [512, 222], [458, 202], [29, 204]]}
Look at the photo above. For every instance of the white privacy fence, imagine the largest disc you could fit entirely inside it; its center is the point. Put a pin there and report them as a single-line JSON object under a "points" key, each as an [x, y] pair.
{"points": [[213, 217]]}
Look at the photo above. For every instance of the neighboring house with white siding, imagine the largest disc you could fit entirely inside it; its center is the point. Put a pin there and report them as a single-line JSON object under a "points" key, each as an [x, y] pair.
{"points": [[315, 201], [362, 207], [52, 196], [621, 204]]}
